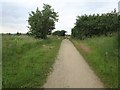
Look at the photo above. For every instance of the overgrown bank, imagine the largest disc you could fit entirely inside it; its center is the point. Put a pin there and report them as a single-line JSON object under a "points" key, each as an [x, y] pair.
{"points": [[27, 61], [102, 55]]}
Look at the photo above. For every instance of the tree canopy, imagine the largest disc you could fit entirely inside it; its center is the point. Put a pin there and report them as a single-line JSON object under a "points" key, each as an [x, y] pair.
{"points": [[95, 25], [59, 33], [41, 23]]}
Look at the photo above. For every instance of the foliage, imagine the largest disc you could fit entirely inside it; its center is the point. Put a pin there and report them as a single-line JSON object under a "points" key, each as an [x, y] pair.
{"points": [[59, 33], [95, 25], [26, 61], [42, 22], [17, 33]]}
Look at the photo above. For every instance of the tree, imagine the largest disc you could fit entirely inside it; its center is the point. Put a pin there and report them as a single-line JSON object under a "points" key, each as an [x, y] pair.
{"points": [[18, 33], [59, 33], [56, 33], [41, 23], [95, 25]]}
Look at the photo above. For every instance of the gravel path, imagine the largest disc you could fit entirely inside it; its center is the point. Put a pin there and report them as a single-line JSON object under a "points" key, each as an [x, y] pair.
{"points": [[71, 70]]}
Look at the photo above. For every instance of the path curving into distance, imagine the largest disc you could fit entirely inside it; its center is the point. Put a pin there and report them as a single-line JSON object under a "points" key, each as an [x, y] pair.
{"points": [[71, 70]]}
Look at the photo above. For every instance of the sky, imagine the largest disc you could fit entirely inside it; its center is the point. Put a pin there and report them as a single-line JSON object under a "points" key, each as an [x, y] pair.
{"points": [[14, 13]]}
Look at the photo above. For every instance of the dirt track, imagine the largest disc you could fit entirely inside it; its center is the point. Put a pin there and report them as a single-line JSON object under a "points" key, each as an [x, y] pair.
{"points": [[71, 70]]}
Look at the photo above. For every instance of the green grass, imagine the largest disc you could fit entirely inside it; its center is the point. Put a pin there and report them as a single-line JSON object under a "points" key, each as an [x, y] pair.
{"points": [[0, 61], [27, 61], [104, 65]]}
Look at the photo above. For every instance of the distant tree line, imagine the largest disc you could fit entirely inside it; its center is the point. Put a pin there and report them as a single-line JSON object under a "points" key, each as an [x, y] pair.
{"points": [[59, 33], [18, 33], [95, 25], [41, 23]]}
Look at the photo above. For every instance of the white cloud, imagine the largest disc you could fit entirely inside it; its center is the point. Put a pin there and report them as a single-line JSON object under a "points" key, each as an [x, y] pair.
{"points": [[13, 28], [15, 12]]}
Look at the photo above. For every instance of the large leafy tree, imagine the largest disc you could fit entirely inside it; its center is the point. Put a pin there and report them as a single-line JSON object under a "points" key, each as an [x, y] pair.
{"points": [[95, 25], [41, 23]]}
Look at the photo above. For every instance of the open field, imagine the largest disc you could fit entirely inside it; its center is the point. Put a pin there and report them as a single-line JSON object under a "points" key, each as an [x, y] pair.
{"points": [[101, 53], [27, 61]]}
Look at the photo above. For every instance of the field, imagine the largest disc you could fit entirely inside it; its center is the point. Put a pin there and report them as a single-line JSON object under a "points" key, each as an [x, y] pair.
{"points": [[101, 53], [0, 61], [27, 61]]}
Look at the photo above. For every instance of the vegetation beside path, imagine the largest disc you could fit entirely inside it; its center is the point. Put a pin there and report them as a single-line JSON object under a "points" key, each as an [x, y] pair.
{"points": [[102, 55], [27, 61]]}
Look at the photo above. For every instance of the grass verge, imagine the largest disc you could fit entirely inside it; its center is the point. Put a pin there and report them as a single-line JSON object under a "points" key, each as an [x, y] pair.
{"points": [[27, 61], [101, 53]]}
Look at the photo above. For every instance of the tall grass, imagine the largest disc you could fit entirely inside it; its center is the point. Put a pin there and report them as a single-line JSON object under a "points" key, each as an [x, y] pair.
{"points": [[0, 61], [103, 57], [27, 61]]}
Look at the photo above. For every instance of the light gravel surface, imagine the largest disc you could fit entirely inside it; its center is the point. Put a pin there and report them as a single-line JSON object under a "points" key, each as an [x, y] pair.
{"points": [[71, 70]]}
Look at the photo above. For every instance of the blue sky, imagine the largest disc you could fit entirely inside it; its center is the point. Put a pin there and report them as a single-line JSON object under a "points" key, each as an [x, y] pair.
{"points": [[14, 13]]}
